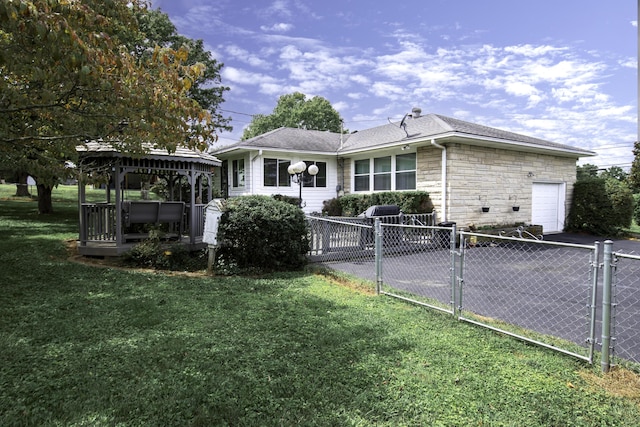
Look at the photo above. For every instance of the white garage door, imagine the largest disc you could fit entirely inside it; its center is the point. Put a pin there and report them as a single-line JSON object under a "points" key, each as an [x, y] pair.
{"points": [[548, 206]]}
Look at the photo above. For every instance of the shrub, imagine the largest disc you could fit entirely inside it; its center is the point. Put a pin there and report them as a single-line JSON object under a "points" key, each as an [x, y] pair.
{"points": [[636, 209], [354, 204], [259, 233], [156, 254], [621, 202], [600, 206], [288, 199]]}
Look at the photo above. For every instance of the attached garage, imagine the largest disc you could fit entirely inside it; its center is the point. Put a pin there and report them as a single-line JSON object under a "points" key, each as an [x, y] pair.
{"points": [[548, 208]]}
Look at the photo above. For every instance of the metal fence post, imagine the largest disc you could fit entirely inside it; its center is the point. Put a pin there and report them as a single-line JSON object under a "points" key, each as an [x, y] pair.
{"points": [[452, 268], [458, 282], [595, 267], [378, 254], [606, 305]]}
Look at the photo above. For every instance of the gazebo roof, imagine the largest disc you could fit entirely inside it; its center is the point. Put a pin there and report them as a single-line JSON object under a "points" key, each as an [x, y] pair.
{"points": [[181, 154]]}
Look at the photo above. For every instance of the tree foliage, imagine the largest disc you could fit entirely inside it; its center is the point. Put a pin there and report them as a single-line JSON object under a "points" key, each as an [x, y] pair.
{"points": [[296, 111], [600, 206], [616, 173], [157, 29], [586, 171], [69, 76], [634, 174]]}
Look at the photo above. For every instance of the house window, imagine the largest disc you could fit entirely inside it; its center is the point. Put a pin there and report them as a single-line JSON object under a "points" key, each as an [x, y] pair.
{"points": [[406, 171], [382, 173], [275, 173], [320, 180], [361, 175], [389, 173], [238, 173]]}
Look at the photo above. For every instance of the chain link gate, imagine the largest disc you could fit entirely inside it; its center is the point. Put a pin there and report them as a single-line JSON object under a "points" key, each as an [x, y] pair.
{"points": [[417, 264], [537, 291]]}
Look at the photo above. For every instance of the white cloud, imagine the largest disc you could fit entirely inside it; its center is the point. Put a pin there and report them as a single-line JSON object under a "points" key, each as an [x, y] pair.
{"points": [[340, 106], [245, 77], [277, 28], [629, 63], [279, 8], [388, 90], [532, 51], [634, 23], [245, 56]]}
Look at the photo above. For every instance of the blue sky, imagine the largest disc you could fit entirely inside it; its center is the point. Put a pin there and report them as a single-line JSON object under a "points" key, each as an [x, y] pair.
{"points": [[561, 70]]}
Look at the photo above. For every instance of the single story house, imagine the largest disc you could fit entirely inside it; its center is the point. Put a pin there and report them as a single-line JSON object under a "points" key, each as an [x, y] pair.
{"points": [[475, 175]]}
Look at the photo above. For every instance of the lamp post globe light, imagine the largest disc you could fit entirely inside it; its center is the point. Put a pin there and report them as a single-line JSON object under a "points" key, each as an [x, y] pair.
{"points": [[298, 170]]}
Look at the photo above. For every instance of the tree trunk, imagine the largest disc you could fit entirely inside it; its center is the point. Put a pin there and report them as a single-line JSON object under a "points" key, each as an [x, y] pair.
{"points": [[22, 187], [45, 204]]}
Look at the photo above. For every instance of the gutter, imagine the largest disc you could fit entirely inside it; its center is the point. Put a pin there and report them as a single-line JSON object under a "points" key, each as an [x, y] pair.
{"points": [[443, 178]]}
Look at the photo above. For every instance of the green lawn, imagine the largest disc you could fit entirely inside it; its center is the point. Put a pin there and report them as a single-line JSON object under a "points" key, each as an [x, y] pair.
{"points": [[94, 345]]}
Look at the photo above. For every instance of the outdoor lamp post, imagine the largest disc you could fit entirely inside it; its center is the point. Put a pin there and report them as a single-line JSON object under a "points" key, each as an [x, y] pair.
{"points": [[297, 170]]}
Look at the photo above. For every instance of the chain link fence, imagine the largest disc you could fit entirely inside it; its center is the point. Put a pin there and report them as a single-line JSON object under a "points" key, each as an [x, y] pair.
{"points": [[540, 291], [417, 265], [626, 307], [550, 293]]}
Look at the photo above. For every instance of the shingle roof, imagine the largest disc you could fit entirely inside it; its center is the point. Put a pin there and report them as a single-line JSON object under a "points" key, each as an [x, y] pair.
{"points": [[290, 139], [99, 148], [423, 128], [435, 125]]}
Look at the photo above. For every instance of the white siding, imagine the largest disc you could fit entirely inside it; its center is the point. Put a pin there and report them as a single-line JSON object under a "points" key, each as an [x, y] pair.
{"points": [[254, 179]]}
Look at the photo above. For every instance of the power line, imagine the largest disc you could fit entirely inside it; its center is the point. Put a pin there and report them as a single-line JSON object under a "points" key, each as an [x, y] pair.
{"points": [[237, 112]]}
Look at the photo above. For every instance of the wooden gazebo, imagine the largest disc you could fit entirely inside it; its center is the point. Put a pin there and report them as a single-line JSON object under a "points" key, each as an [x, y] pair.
{"points": [[113, 226]]}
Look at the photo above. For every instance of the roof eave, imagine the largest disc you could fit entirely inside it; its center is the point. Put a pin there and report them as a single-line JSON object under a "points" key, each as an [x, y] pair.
{"points": [[443, 138], [248, 149], [526, 146]]}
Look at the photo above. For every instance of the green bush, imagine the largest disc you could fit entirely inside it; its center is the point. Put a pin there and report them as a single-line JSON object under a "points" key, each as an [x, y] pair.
{"points": [[259, 233], [621, 201], [288, 199], [636, 209], [600, 206], [354, 204]]}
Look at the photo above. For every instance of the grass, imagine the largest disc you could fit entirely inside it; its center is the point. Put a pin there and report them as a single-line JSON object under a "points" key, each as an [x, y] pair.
{"points": [[634, 229], [95, 345]]}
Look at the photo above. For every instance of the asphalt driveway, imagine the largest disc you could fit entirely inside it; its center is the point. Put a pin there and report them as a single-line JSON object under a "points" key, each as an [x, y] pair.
{"points": [[628, 246]]}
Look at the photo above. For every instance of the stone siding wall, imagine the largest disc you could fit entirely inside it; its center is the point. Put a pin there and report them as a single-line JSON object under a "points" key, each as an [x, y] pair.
{"points": [[500, 179]]}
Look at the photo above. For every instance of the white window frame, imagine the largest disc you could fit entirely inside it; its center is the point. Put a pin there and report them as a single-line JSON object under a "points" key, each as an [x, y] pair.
{"points": [[238, 173], [285, 182], [393, 173]]}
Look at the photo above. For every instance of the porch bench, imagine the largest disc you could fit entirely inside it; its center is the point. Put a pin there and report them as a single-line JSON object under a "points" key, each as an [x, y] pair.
{"points": [[151, 212]]}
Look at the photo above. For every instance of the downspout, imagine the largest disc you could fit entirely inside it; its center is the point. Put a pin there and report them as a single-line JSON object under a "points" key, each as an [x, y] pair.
{"points": [[443, 179]]}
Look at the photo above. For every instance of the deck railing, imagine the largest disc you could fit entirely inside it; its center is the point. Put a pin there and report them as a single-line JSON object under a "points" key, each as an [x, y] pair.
{"points": [[99, 222]]}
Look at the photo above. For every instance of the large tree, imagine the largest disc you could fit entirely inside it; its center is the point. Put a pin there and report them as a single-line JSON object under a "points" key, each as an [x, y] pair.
{"points": [[68, 76], [156, 29], [296, 111]]}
